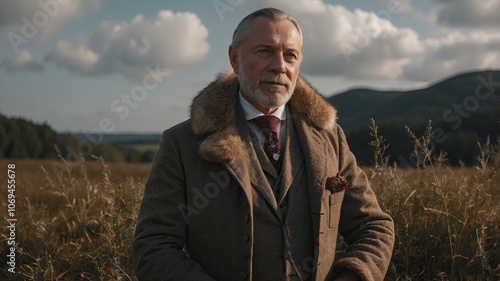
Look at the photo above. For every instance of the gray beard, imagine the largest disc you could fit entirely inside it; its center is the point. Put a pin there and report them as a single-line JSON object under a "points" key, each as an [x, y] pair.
{"points": [[254, 93]]}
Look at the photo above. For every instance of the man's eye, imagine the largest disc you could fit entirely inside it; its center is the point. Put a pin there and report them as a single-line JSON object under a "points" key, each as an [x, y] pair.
{"points": [[264, 51]]}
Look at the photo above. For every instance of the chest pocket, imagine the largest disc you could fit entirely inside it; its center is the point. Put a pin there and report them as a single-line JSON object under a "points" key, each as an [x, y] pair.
{"points": [[334, 209]]}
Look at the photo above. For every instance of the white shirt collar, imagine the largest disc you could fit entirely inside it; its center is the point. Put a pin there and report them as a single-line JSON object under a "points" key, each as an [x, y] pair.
{"points": [[251, 112]]}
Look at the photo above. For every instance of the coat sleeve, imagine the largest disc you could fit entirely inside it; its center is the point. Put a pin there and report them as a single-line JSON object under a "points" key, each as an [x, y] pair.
{"points": [[366, 229], [160, 233]]}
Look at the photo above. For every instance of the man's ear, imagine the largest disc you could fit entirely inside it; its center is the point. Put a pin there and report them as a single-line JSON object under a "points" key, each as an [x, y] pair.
{"points": [[233, 58]]}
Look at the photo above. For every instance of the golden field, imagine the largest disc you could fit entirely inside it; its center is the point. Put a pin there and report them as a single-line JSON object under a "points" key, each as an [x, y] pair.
{"points": [[75, 221]]}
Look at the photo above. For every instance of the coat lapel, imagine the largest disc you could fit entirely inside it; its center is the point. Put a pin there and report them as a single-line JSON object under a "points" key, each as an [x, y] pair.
{"points": [[315, 154], [240, 167], [292, 153]]}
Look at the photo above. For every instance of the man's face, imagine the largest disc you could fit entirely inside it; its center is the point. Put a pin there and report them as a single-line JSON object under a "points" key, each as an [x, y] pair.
{"points": [[268, 63]]}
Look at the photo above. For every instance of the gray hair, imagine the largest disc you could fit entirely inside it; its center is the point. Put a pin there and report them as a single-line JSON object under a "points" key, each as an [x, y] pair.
{"points": [[271, 13]]}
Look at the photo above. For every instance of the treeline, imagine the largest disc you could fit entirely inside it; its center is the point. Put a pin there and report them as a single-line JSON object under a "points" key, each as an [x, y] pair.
{"points": [[20, 138], [458, 140]]}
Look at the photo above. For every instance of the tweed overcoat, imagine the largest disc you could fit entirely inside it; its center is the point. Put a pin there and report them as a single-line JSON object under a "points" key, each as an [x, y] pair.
{"points": [[196, 217]]}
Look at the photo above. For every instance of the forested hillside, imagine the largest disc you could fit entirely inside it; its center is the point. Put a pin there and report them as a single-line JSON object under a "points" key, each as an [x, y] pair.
{"points": [[464, 109], [450, 100], [21, 138]]}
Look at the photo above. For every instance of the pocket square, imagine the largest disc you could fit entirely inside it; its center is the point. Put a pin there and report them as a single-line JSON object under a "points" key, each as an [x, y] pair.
{"points": [[336, 184]]}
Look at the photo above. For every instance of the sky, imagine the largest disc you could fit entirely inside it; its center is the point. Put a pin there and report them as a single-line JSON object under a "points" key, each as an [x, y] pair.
{"points": [[103, 66]]}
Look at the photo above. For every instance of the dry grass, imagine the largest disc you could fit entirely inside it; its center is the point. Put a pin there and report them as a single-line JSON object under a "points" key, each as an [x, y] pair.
{"points": [[76, 220], [447, 219]]}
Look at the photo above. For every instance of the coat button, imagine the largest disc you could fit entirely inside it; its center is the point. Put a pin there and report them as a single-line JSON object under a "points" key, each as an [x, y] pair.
{"points": [[246, 238], [243, 275], [247, 218]]}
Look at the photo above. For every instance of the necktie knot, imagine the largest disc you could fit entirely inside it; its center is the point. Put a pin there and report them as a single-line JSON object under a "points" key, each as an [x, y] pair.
{"points": [[267, 123], [269, 126]]}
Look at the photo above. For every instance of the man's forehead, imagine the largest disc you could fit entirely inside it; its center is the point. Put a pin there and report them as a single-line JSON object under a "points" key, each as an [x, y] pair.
{"points": [[264, 23], [264, 31]]}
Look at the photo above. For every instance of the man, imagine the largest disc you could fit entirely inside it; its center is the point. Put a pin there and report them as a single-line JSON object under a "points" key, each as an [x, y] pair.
{"points": [[229, 200]]}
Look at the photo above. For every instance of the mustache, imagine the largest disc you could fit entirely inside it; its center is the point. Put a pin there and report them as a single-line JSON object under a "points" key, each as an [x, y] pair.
{"points": [[279, 79]]}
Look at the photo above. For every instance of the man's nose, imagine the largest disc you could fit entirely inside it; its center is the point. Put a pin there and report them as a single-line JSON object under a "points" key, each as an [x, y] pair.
{"points": [[278, 65]]}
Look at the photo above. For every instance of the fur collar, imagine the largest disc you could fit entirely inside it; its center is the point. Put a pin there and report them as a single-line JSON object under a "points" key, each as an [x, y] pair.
{"points": [[213, 115]]}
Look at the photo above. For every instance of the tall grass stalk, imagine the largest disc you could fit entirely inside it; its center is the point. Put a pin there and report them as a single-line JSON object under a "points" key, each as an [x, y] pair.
{"points": [[447, 220]]}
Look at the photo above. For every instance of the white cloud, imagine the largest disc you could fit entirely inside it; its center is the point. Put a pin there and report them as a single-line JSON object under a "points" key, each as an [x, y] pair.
{"points": [[22, 61], [363, 45], [25, 20], [76, 56], [468, 13], [351, 43], [169, 40], [456, 52]]}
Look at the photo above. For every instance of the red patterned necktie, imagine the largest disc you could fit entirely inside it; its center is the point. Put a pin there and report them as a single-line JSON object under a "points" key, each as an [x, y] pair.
{"points": [[269, 126]]}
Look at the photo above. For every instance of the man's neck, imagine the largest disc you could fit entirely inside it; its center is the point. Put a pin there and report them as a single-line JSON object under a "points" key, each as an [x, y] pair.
{"points": [[264, 110], [251, 111]]}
